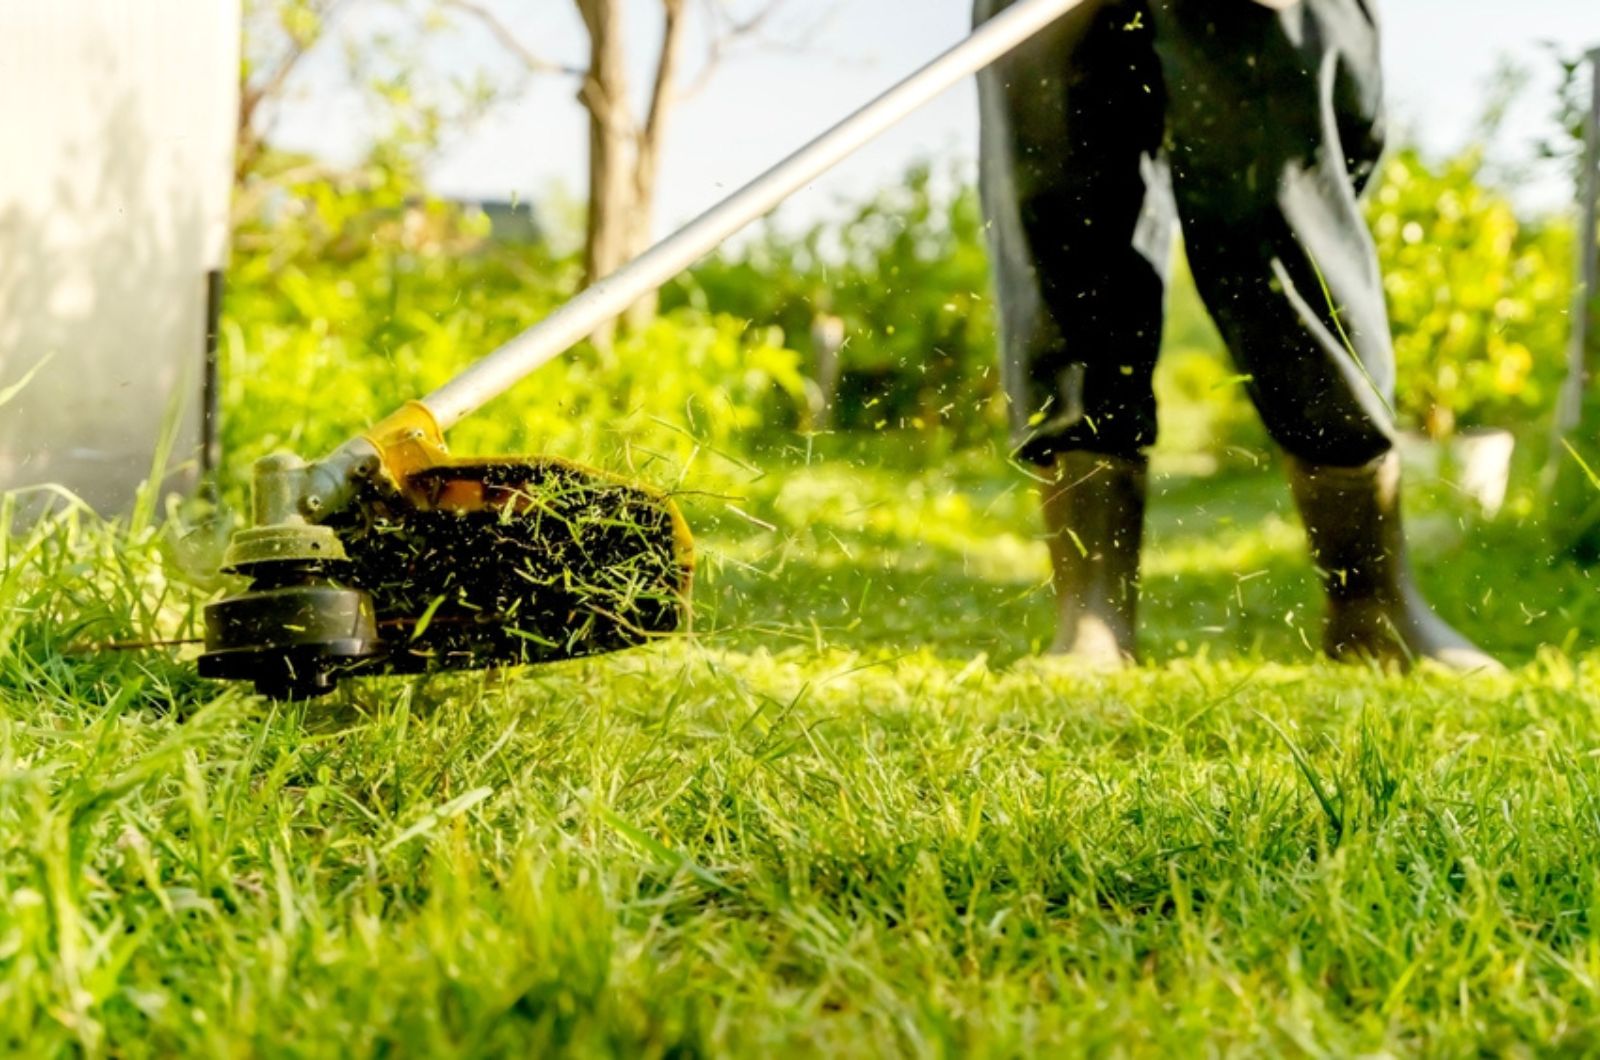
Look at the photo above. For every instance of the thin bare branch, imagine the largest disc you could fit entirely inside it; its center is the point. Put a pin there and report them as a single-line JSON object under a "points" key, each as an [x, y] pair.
{"points": [[663, 94], [725, 31], [507, 38], [735, 28], [253, 95], [665, 90]]}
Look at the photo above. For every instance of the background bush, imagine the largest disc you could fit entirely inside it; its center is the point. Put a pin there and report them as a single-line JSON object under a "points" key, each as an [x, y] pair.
{"points": [[352, 292], [907, 274], [1479, 298]]}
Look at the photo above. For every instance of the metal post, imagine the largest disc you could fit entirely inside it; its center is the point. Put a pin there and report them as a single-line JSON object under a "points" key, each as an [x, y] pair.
{"points": [[211, 384]]}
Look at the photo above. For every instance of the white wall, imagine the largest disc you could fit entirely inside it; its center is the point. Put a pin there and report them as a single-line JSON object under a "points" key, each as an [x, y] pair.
{"points": [[116, 159]]}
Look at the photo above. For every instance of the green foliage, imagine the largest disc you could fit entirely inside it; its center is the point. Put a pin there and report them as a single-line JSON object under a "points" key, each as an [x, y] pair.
{"points": [[714, 374], [351, 294], [70, 585], [275, 28], [907, 273], [413, 102], [1479, 298], [1574, 100]]}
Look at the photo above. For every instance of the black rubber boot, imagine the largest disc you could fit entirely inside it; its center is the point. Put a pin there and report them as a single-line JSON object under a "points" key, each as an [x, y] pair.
{"points": [[1094, 515], [1375, 611]]}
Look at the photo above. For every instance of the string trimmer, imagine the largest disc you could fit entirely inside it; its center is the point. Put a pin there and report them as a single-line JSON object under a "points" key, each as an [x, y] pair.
{"points": [[390, 556]]}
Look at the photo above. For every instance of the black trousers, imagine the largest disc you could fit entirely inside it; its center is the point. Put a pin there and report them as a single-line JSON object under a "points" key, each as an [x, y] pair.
{"points": [[1253, 129]]}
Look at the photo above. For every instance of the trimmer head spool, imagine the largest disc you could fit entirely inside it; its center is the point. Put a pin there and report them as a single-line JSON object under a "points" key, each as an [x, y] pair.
{"points": [[297, 628]]}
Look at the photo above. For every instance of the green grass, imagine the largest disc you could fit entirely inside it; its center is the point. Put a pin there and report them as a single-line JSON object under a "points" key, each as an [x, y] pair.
{"points": [[848, 817]]}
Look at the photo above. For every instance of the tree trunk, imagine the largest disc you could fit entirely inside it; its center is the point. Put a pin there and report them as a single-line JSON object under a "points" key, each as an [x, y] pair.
{"points": [[647, 159], [611, 193], [624, 156]]}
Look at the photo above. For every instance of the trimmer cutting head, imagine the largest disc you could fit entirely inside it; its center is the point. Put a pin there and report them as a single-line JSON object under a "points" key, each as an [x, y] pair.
{"points": [[433, 563]]}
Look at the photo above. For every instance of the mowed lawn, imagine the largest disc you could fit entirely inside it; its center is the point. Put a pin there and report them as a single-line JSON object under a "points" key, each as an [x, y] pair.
{"points": [[850, 816]]}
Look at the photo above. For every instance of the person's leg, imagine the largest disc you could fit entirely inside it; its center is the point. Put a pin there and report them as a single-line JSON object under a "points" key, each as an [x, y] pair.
{"points": [[1079, 213], [1263, 106], [1094, 523], [1375, 610]]}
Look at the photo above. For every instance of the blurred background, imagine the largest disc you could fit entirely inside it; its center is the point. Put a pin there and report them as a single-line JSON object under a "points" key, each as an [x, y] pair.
{"points": [[415, 176]]}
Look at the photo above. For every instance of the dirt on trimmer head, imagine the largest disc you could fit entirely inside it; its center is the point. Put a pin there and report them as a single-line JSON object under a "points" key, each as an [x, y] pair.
{"points": [[468, 564], [523, 562]]}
